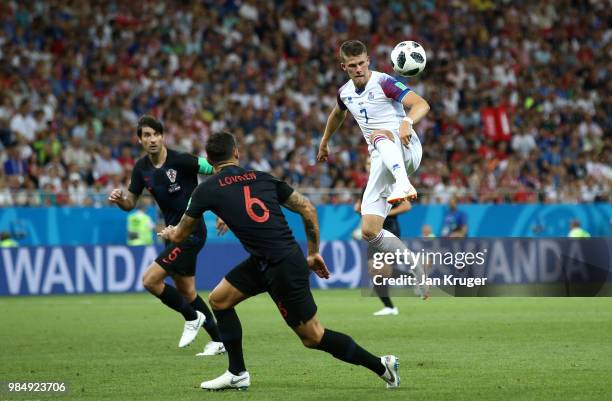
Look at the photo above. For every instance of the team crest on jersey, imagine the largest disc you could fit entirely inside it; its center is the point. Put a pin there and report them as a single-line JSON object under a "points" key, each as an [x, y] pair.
{"points": [[371, 96], [171, 173]]}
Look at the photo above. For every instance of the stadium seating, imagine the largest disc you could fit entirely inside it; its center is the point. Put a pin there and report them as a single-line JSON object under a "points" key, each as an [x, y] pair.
{"points": [[519, 93]]}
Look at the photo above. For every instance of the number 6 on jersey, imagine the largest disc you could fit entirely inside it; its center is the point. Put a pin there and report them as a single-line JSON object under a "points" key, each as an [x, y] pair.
{"points": [[250, 202]]}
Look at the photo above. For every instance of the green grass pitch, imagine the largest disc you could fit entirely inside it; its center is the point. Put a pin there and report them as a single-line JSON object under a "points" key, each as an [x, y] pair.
{"points": [[124, 347]]}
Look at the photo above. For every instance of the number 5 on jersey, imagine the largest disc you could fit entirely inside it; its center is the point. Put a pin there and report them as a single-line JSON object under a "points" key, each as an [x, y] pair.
{"points": [[250, 202]]}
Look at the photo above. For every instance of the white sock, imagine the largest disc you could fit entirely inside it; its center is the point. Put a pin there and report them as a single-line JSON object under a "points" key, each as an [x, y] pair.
{"points": [[392, 158], [386, 242]]}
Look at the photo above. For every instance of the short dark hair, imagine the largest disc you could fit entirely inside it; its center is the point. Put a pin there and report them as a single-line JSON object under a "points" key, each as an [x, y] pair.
{"points": [[151, 122], [352, 48], [220, 147]]}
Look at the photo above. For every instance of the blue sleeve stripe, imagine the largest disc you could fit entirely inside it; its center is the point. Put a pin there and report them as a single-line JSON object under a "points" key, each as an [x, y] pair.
{"points": [[404, 93]]}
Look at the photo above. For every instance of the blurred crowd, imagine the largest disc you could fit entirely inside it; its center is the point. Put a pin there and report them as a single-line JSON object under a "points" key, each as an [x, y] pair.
{"points": [[76, 75]]}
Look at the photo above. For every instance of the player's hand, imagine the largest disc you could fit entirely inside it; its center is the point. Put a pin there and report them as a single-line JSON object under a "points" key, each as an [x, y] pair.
{"points": [[116, 195], [317, 265], [405, 132], [221, 227], [323, 152], [166, 232]]}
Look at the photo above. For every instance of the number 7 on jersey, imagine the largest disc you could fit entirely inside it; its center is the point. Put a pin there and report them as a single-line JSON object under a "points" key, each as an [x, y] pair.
{"points": [[365, 113]]}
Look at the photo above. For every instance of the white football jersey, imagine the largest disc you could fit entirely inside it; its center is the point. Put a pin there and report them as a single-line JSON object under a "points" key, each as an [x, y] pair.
{"points": [[377, 106]]}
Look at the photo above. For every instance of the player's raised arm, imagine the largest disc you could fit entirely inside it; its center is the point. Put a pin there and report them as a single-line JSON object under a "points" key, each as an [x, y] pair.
{"points": [[125, 200], [299, 204], [197, 164], [334, 121], [417, 109], [204, 166], [181, 232]]}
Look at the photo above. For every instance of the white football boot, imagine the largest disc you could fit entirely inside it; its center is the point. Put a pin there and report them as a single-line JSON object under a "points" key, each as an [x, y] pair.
{"points": [[402, 192], [228, 381], [191, 330], [391, 375], [212, 348], [386, 311]]}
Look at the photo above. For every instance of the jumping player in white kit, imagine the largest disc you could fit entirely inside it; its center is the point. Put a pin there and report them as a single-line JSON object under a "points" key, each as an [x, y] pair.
{"points": [[376, 101]]}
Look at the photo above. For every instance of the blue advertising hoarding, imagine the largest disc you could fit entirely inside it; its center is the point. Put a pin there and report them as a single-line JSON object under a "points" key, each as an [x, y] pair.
{"points": [[119, 268], [103, 226]]}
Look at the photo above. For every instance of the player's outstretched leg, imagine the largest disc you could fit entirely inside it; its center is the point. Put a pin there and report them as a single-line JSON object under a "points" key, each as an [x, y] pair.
{"points": [[222, 301], [392, 157], [380, 240], [186, 285], [343, 347], [153, 281]]}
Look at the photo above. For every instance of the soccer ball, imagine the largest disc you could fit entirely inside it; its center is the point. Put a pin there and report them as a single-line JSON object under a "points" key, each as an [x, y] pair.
{"points": [[408, 58]]}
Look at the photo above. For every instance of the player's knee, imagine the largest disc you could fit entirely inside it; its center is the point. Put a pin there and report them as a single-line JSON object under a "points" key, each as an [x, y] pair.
{"points": [[217, 302], [189, 294], [310, 342], [312, 337], [369, 233], [151, 285], [212, 300]]}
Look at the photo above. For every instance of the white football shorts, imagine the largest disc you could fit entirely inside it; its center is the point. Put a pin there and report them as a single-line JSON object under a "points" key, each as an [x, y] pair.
{"points": [[380, 181]]}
